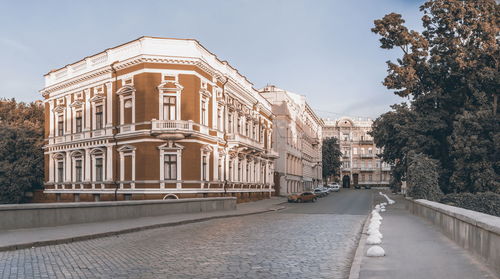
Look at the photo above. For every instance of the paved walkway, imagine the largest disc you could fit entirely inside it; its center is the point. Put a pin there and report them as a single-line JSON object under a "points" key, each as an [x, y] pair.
{"points": [[25, 238], [415, 249]]}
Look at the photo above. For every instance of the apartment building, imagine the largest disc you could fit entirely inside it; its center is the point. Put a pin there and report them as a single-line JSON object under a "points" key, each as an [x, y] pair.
{"points": [[297, 139], [360, 163], [154, 117]]}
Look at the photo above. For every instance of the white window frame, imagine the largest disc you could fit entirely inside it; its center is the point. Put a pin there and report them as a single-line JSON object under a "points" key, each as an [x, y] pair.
{"points": [[165, 91], [75, 156], [59, 158], [98, 153], [98, 100], [171, 148], [124, 151], [125, 93]]}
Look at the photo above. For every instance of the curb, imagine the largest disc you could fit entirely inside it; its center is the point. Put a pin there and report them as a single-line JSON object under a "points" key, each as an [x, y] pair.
{"points": [[358, 256], [124, 231]]}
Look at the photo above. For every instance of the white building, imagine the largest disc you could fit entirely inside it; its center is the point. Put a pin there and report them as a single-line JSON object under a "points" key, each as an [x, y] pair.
{"points": [[297, 139]]}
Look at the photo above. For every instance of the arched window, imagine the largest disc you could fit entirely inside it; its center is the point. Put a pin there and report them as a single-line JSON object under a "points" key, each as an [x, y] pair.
{"points": [[60, 167], [127, 165], [127, 106], [98, 165], [77, 166]]}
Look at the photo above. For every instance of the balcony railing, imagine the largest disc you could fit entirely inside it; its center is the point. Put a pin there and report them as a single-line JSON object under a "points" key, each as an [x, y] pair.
{"points": [[366, 142], [161, 125], [245, 140], [366, 155], [367, 169]]}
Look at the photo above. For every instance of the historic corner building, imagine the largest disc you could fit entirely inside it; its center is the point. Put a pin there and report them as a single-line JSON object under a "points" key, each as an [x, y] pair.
{"points": [[154, 117], [360, 163], [297, 138]]}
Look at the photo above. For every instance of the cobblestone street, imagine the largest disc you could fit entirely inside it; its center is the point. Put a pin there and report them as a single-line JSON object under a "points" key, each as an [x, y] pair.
{"points": [[286, 244]]}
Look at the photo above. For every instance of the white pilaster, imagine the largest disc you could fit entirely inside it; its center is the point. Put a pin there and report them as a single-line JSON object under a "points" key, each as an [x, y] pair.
{"points": [[109, 163]]}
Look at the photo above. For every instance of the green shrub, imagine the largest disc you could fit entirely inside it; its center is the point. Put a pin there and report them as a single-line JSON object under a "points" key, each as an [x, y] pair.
{"points": [[422, 178], [487, 202]]}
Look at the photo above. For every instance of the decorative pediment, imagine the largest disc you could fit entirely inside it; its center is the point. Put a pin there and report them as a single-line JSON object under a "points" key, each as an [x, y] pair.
{"points": [[125, 90], [58, 156], [76, 104], [97, 98], [126, 148], [170, 145], [170, 86], [59, 109], [97, 151], [207, 148], [76, 153]]}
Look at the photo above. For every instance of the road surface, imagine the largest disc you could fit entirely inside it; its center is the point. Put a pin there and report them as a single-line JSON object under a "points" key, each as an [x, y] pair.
{"points": [[309, 240]]}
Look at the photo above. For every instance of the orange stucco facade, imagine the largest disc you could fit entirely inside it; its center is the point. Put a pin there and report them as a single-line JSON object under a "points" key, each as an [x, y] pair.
{"points": [[140, 122]]}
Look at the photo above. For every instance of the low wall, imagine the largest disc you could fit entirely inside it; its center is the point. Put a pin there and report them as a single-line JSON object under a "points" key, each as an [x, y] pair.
{"points": [[57, 214], [476, 232]]}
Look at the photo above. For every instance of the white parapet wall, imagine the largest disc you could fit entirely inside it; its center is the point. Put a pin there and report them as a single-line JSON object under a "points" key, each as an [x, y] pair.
{"points": [[476, 232], [20, 216]]}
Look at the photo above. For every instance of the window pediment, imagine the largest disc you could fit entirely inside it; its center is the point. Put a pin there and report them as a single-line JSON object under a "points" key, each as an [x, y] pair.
{"points": [[76, 104], [170, 86], [97, 151], [97, 98], [171, 146], [59, 109], [125, 90], [127, 148]]}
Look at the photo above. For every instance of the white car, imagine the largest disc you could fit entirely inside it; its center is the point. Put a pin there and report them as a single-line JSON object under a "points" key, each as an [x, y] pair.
{"points": [[335, 187]]}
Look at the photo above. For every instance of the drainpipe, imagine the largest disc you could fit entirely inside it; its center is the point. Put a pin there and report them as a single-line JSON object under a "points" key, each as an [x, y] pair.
{"points": [[225, 133], [115, 131]]}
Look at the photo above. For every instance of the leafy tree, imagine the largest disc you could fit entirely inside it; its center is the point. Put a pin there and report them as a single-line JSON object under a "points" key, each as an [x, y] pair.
{"points": [[21, 155], [475, 151], [331, 157], [423, 177], [447, 70]]}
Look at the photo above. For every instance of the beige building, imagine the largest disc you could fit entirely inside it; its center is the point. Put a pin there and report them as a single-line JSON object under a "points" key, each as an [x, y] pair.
{"points": [[360, 163], [152, 117], [297, 139]]}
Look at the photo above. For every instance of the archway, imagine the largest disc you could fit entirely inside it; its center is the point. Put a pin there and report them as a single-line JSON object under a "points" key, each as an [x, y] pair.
{"points": [[346, 181]]}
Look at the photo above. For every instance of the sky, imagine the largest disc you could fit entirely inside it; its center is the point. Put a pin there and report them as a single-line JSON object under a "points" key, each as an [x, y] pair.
{"points": [[321, 49]]}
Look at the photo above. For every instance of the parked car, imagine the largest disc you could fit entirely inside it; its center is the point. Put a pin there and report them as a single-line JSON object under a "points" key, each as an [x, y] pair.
{"points": [[335, 187], [357, 186], [302, 197], [320, 192], [368, 187]]}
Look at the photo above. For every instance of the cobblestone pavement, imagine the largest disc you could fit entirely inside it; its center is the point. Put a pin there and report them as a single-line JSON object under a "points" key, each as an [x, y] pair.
{"points": [[271, 245]]}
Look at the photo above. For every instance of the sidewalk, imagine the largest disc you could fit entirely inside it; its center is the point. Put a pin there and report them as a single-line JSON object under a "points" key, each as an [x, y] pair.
{"points": [[27, 238], [415, 249]]}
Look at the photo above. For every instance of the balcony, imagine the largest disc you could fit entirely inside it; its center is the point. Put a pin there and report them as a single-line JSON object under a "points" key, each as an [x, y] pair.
{"points": [[366, 142], [171, 129], [367, 169], [366, 155], [240, 139]]}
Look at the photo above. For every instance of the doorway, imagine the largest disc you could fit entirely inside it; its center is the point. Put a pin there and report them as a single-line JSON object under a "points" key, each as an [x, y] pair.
{"points": [[346, 181]]}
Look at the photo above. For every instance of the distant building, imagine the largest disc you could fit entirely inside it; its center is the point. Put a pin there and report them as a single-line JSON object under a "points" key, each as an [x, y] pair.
{"points": [[360, 163], [297, 139], [152, 117]]}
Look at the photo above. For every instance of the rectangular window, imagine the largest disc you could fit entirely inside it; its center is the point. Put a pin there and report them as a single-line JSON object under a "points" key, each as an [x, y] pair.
{"points": [[98, 117], [203, 112], [98, 169], [78, 170], [60, 125], [169, 108], [170, 166], [220, 169], [230, 123], [78, 122], [219, 119], [204, 168], [60, 171], [370, 177], [230, 170]]}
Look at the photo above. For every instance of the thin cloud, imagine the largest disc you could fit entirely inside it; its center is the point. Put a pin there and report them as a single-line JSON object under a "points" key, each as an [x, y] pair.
{"points": [[15, 45]]}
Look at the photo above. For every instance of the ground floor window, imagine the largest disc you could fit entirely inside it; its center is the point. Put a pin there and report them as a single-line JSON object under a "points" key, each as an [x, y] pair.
{"points": [[170, 166]]}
